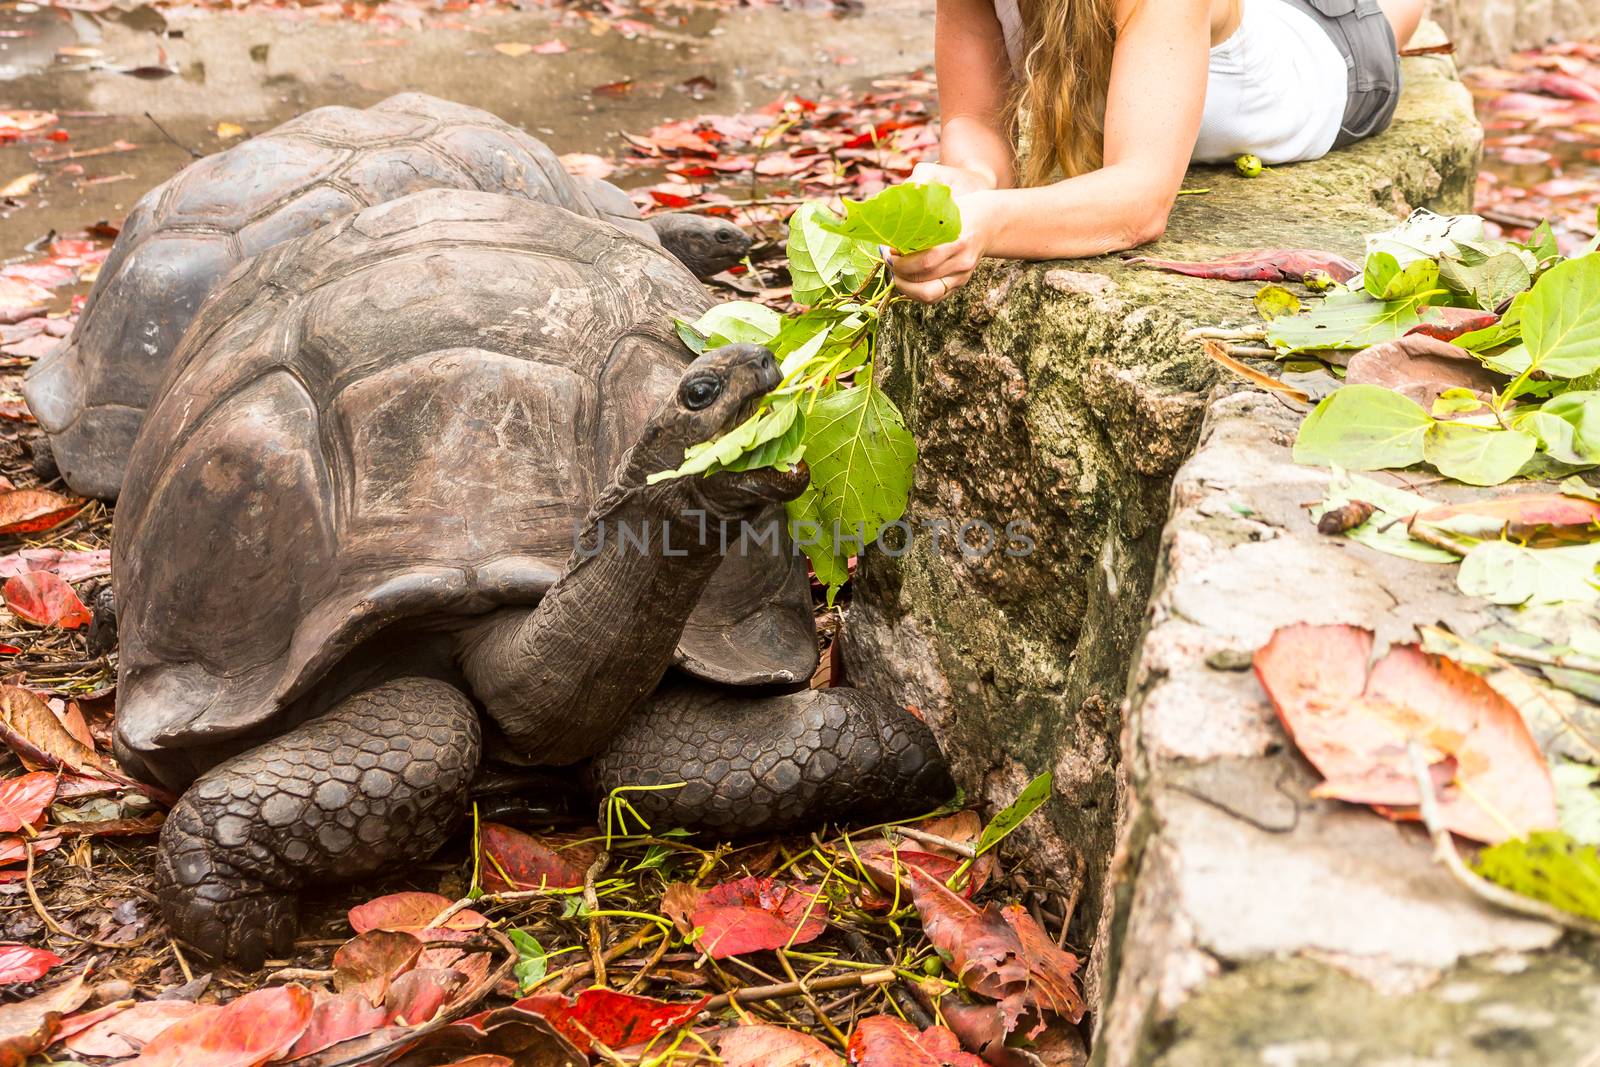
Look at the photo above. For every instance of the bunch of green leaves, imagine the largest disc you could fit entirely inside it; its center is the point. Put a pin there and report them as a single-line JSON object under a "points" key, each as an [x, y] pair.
{"points": [[1545, 419], [829, 410]]}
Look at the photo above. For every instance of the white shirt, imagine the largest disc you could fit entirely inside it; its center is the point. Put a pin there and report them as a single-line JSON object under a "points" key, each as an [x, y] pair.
{"points": [[1277, 88]]}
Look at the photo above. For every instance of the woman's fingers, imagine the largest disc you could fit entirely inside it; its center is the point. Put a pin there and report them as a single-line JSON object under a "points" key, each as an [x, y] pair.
{"points": [[927, 265], [934, 291]]}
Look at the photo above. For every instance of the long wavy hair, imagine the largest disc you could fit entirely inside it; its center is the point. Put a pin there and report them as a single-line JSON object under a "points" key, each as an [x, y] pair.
{"points": [[1058, 109]]}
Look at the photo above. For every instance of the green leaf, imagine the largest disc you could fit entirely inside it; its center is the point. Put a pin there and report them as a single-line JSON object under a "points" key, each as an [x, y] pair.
{"points": [[1550, 866], [1274, 301], [1477, 455], [1578, 799], [807, 529], [1487, 283], [1504, 573], [1569, 426], [1542, 242], [1561, 321], [823, 263], [532, 960], [1512, 362], [745, 446], [738, 322], [693, 339], [1425, 235], [1034, 794], [1344, 320], [1386, 279], [1363, 427], [1456, 402], [907, 218], [1576, 486], [1505, 332], [1383, 531], [861, 456]]}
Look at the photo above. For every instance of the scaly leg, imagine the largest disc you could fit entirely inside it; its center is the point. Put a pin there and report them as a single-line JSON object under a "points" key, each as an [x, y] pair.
{"points": [[763, 763], [379, 780]]}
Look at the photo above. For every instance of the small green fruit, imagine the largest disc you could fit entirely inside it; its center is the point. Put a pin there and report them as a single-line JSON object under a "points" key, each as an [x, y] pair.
{"points": [[932, 965], [1318, 281], [1248, 166]]}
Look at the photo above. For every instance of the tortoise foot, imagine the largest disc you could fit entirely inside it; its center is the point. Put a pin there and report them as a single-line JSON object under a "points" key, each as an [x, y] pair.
{"points": [[379, 780], [214, 906], [757, 764]]}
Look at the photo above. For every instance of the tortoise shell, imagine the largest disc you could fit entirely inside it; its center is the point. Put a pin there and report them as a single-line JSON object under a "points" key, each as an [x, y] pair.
{"points": [[91, 394], [392, 423]]}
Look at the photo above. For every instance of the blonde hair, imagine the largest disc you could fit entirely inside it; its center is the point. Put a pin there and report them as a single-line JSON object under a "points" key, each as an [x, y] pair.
{"points": [[1058, 110]]}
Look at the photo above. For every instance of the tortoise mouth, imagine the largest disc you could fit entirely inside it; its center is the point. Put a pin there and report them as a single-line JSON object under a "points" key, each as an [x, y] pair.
{"points": [[771, 485]]}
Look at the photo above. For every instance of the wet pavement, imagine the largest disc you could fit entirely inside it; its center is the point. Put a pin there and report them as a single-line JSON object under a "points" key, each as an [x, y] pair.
{"points": [[163, 80]]}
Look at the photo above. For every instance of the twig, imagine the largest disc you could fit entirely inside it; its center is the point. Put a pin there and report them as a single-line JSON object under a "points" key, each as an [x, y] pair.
{"points": [[568, 977], [301, 974], [811, 1002], [1212, 333], [945, 843], [1444, 850], [1437, 538], [507, 897], [183, 964], [591, 900], [1588, 664], [724, 205], [644, 971], [55, 927], [163, 131], [900, 990], [793, 989]]}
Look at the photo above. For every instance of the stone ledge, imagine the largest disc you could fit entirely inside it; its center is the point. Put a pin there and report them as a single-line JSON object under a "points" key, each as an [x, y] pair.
{"points": [[1244, 892], [1063, 395]]}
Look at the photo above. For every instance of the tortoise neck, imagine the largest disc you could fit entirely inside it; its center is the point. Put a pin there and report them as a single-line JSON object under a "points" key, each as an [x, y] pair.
{"points": [[561, 677]]}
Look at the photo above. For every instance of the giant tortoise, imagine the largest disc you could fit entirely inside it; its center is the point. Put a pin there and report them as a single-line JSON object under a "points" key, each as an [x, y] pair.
{"points": [[400, 474], [90, 395]]}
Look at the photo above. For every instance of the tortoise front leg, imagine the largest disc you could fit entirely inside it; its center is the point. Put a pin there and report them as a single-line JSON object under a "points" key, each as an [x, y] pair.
{"points": [[380, 779], [742, 763]]}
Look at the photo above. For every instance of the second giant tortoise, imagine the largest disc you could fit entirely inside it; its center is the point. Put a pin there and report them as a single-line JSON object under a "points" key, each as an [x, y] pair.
{"points": [[400, 474], [90, 394]]}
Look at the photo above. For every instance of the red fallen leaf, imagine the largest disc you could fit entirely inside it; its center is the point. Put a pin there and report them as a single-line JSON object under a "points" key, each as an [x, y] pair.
{"points": [[515, 860], [759, 1045], [368, 962], [1353, 725], [1447, 323], [666, 199], [23, 963], [45, 599], [982, 1028], [410, 912], [21, 299], [747, 915], [884, 1041], [1562, 85], [29, 1026], [126, 1032], [23, 800], [616, 88], [14, 847], [29, 726], [485, 1059], [611, 1018], [1419, 368], [416, 996], [1260, 265], [81, 1021], [335, 1018], [253, 1030], [553, 47], [1520, 516], [1000, 953], [73, 566], [35, 510], [586, 165]]}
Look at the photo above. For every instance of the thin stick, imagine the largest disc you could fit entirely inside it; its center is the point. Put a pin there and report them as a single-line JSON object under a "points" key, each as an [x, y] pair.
{"points": [[591, 900], [566, 978], [163, 130], [723, 205], [1587, 664], [183, 964], [55, 927], [1211, 333], [793, 989], [649, 964], [942, 842], [811, 1001], [301, 974], [1444, 850]]}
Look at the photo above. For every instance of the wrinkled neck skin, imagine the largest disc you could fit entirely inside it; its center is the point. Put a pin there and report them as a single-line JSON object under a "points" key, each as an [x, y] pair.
{"points": [[559, 678]]}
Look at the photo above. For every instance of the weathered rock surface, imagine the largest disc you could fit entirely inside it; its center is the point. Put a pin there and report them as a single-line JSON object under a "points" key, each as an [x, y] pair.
{"points": [[1485, 31], [1064, 397]]}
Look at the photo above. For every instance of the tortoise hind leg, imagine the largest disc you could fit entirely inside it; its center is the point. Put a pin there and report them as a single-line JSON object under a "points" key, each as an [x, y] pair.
{"points": [[380, 778], [751, 763]]}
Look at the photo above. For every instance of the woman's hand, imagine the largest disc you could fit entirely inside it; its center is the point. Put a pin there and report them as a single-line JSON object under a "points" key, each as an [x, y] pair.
{"points": [[960, 179], [932, 275]]}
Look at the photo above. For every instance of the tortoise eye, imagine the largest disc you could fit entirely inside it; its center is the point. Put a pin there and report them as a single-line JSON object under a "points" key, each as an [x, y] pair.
{"points": [[699, 392]]}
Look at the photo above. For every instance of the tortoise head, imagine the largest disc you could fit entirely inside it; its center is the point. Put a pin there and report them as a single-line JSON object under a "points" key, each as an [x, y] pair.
{"points": [[719, 390], [704, 244]]}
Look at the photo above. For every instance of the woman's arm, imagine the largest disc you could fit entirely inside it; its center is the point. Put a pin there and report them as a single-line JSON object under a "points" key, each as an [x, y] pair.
{"points": [[974, 83], [1153, 105]]}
